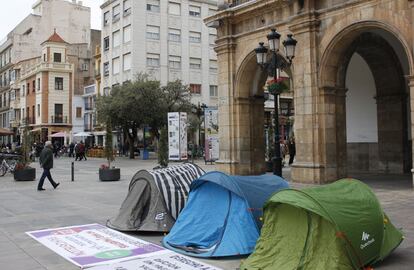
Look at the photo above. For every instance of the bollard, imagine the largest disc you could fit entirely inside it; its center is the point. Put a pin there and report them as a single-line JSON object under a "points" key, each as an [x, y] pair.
{"points": [[73, 171]]}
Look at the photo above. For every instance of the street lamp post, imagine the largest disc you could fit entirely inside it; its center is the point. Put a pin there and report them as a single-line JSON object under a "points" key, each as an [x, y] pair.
{"points": [[199, 111], [273, 68]]}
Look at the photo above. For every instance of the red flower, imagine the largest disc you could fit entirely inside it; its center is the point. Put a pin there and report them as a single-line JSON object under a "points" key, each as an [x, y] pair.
{"points": [[279, 80], [104, 167]]}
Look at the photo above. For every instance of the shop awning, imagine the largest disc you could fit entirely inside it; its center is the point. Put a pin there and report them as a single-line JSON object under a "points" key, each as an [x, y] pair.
{"points": [[82, 134], [36, 130], [58, 135], [5, 132]]}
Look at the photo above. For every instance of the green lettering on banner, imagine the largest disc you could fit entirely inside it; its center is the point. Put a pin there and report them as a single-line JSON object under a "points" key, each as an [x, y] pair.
{"points": [[113, 254]]}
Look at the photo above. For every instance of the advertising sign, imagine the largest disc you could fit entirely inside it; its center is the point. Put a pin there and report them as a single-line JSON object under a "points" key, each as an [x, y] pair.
{"points": [[170, 261], [94, 244], [177, 136], [212, 136]]}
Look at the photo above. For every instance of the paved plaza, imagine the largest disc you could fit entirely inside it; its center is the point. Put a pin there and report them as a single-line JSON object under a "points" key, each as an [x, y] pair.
{"points": [[86, 200]]}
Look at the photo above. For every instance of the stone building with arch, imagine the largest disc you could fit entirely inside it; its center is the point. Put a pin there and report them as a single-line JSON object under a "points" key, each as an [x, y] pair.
{"points": [[353, 85]]}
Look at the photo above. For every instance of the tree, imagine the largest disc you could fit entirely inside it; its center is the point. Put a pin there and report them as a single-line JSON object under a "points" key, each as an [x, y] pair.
{"points": [[175, 97], [194, 124], [26, 147], [109, 151], [131, 106], [142, 103], [163, 148]]}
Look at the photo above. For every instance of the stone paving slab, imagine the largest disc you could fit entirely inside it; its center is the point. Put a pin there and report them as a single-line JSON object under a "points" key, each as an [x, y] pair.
{"points": [[87, 200]]}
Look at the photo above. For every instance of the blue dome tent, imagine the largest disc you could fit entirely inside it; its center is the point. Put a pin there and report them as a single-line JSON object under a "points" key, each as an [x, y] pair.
{"points": [[223, 215]]}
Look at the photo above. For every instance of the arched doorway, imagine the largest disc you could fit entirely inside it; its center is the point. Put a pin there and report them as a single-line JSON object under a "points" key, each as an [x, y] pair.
{"points": [[248, 114], [249, 145], [365, 69]]}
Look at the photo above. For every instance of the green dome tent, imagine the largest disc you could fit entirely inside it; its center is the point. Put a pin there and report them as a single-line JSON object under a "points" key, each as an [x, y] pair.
{"points": [[340, 226]]}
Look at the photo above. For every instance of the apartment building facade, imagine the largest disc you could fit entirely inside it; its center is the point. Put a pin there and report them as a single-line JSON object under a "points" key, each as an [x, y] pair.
{"points": [[166, 39], [24, 42], [6, 77], [46, 90]]}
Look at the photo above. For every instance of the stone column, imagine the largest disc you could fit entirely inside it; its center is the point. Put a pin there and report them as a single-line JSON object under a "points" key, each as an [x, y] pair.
{"points": [[411, 86], [227, 114], [332, 120], [390, 109], [257, 139], [307, 166]]}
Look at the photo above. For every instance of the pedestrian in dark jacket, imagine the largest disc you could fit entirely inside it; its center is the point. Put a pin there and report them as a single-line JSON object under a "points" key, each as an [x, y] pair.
{"points": [[46, 162], [71, 149], [292, 150]]}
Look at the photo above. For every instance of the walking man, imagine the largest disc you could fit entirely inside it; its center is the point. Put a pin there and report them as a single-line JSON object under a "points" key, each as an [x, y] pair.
{"points": [[292, 150], [71, 149], [46, 162]]}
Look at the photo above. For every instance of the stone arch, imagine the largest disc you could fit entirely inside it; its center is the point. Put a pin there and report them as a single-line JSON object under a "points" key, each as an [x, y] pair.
{"points": [[342, 39], [249, 116], [249, 78], [249, 107], [388, 56]]}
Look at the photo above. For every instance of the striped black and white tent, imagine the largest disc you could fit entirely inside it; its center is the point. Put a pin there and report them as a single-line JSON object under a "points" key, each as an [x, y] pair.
{"points": [[155, 199]]}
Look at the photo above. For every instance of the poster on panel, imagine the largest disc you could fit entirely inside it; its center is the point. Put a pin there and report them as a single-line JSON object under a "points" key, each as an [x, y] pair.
{"points": [[212, 135], [174, 136], [183, 136], [177, 136]]}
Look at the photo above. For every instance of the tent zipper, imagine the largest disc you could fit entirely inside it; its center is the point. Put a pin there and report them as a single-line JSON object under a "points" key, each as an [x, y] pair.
{"points": [[305, 248]]}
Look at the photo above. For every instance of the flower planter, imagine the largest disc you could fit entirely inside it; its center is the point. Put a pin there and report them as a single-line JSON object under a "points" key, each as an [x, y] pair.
{"points": [[26, 174], [110, 174]]}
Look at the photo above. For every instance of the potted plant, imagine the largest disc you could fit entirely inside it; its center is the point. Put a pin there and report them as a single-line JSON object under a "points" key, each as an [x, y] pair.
{"points": [[106, 172], [278, 86], [23, 171]]}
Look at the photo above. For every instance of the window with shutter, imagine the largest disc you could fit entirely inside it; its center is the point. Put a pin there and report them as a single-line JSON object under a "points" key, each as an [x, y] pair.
{"points": [[195, 63], [174, 8], [174, 35], [195, 37], [153, 32], [195, 11]]}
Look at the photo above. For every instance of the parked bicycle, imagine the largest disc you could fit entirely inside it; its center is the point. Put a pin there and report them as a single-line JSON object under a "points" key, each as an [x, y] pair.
{"points": [[7, 165]]}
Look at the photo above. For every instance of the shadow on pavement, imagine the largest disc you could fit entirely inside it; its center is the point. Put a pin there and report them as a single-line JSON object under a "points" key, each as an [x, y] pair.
{"points": [[386, 181]]}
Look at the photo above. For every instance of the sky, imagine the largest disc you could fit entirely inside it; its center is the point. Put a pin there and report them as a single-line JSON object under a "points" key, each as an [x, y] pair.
{"points": [[13, 12]]}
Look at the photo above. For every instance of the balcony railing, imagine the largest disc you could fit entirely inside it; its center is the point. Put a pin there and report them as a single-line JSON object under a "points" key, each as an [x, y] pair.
{"points": [[36, 67], [89, 106], [89, 89], [29, 121], [88, 128], [58, 119]]}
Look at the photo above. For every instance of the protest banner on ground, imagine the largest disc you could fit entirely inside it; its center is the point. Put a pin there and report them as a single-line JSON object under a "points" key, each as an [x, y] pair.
{"points": [[169, 261], [94, 244]]}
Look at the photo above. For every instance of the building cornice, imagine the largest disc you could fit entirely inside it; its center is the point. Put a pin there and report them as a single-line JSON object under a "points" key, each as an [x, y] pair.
{"points": [[6, 67], [209, 2], [51, 67], [107, 3], [251, 7]]}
